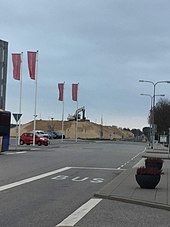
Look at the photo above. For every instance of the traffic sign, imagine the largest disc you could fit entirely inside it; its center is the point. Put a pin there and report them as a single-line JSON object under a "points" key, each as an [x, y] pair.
{"points": [[17, 116]]}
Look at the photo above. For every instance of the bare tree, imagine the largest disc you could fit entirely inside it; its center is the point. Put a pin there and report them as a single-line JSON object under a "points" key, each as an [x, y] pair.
{"points": [[161, 116]]}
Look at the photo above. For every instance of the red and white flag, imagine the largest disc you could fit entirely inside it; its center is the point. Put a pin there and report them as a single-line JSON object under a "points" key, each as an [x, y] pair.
{"points": [[74, 92], [61, 91], [16, 60], [32, 63]]}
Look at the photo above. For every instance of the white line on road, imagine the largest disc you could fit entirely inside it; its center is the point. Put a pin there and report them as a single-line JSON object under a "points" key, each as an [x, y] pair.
{"points": [[131, 159], [17, 152], [77, 215], [31, 179], [95, 168], [28, 180]]}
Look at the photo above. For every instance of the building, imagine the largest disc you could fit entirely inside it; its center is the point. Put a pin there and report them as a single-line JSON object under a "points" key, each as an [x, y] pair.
{"points": [[3, 72]]}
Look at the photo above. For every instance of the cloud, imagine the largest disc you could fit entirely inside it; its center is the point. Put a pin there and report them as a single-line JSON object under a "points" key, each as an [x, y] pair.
{"points": [[105, 45]]}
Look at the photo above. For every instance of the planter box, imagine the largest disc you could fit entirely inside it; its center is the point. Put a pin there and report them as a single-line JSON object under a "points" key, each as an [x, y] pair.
{"points": [[147, 180]]}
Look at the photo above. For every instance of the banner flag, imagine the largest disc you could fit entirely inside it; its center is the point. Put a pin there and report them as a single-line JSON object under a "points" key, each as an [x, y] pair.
{"points": [[16, 60], [32, 63], [74, 92], [61, 91]]}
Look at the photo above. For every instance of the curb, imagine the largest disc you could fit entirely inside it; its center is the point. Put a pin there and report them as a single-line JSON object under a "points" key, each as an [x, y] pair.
{"points": [[121, 189], [132, 201], [146, 156]]}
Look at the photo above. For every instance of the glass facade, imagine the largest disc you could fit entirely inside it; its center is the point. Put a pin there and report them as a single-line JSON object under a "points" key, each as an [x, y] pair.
{"points": [[3, 72]]}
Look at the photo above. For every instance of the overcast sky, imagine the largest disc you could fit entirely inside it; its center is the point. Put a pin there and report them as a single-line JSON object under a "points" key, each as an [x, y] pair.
{"points": [[106, 46]]}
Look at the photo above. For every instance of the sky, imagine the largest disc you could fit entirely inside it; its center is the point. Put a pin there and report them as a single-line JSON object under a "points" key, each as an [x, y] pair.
{"points": [[106, 46]]}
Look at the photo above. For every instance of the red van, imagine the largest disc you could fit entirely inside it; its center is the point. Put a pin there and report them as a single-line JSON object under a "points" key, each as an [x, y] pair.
{"points": [[27, 138]]}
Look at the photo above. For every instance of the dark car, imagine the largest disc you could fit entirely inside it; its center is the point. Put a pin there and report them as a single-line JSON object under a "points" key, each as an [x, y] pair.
{"points": [[58, 135], [55, 135], [27, 138], [51, 135]]}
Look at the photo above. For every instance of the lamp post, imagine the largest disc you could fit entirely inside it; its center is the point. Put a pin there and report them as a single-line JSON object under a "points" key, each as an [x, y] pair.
{"points": [[52, 127], [153, 106]]}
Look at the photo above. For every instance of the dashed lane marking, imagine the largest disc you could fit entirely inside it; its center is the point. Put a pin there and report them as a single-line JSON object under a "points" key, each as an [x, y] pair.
{"points": [[120, 167], [96, 168]]}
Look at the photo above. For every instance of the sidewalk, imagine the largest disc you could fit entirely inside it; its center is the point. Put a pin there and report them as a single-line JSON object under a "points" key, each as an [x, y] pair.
{"points": [[125, 188]]}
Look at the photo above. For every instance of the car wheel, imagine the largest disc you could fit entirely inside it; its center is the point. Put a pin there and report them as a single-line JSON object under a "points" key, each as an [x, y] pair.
{"points": [[46, 144], [39, 143], [21, 142]]}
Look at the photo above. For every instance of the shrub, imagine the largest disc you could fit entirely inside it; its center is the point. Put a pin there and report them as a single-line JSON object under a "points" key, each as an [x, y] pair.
{"points": [[154, 160], [149, 171]]}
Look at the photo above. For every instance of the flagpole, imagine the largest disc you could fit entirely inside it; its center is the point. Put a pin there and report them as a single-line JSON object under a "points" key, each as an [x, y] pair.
{"points": [[77, 114], [19, 131], [35, 107], [63, 115]]}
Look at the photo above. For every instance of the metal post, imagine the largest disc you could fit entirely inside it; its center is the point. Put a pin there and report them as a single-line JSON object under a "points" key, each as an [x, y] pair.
{"points": [[35, 105], [17, 135], [169, 141], [153, 117], [52, 127], [21, 69]]}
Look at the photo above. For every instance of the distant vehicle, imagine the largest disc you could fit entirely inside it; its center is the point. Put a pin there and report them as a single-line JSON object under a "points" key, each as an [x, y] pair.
{"points": [[27, 138], [51, 135], [55, 135], [77, 115], [41, 133], [58, 135]]}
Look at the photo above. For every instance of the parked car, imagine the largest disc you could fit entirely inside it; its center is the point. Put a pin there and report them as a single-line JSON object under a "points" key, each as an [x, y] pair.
{"points": [[51, 135], [27, 138], [55, 135], [41, 133], [58, 135]]}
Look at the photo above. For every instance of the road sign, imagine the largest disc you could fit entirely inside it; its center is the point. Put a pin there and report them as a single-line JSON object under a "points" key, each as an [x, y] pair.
{"points": [[17, 116], [163, 138]]}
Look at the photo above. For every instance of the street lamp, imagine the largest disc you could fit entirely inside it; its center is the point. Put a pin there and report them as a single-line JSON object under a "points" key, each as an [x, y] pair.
{"points": [[154, 85], [151, 120], [154, 91]]}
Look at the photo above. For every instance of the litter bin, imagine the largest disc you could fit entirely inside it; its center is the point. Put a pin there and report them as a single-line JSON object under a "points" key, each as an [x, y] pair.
{"points": [[5, 143], [0, 144]]}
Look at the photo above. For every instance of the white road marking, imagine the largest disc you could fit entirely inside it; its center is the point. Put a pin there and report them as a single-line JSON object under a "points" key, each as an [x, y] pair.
{"points": [[28, 180], [95, 168], [120, 167], [17, 152], [77, 215], [31, 179]]}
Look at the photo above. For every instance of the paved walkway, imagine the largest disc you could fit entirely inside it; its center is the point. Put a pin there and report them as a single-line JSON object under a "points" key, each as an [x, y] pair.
{"points": [[125, 188]]}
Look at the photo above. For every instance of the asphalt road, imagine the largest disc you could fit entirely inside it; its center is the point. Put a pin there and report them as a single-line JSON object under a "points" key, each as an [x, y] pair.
{"points": [[54, 186]]}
